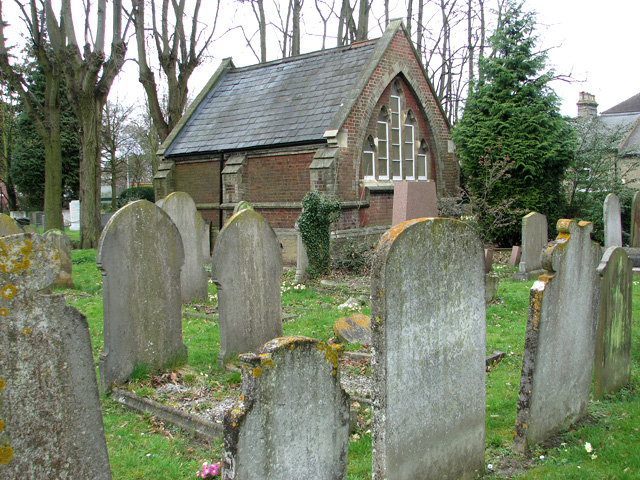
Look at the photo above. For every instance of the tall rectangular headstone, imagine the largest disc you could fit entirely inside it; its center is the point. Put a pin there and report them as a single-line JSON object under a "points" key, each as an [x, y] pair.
{"points": [[414, 200], [560, 337], [50, 419], [612, 365], [140, 255], [74, 215], [635, 221], [193, 277], [428, 341], [612, 221], [247, 261], [534, 238], [292, 421]]}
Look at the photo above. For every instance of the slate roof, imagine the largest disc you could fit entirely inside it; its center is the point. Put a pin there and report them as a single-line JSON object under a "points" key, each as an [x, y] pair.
{"points": [[290, 101], [630, 105]]}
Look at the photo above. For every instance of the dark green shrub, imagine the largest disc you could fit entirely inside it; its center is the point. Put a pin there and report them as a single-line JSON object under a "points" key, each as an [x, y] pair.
{"points": [[135, 193], [318, 213], [352, 255]]}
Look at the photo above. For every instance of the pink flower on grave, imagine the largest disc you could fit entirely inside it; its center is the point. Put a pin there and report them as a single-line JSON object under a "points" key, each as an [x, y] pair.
{"points": [[208, 470]]}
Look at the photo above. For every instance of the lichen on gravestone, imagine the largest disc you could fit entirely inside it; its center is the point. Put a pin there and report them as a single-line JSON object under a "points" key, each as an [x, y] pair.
{"points": [[51, 424]]}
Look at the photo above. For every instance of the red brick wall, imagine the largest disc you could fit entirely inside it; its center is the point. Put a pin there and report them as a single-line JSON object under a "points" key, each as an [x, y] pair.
{"points": [[200, 180], [282, 178]]}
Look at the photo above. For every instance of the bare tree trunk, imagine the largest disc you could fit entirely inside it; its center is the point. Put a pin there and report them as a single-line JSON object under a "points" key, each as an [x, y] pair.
{"points": [[295, 29], [420, 27], [409, 15], [262, 21], [363, 21], [324, 22]]}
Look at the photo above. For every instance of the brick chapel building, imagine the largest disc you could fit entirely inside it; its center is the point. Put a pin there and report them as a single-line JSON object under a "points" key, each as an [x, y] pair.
{"points": [[348, 121]]}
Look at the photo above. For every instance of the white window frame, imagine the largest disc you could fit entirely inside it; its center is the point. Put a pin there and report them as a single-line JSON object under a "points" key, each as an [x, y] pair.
{"points": [[371, 153], [383, 153], [396, 126], [408, 151]]}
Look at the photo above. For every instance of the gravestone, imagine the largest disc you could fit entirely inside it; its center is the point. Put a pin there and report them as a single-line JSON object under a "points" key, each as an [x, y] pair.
{"points": [[247, 261], [560, 337], [50, 419], [292, 421], [31, 229], [428, 342], [62, 244], [635, 221], [488, 259], [193, 277], [514, 259], [74, 215], [140, 255], [534, 238], [354, 328], [612, 365], [414, 200], [302, 259], [612, 221], [8, 226]]}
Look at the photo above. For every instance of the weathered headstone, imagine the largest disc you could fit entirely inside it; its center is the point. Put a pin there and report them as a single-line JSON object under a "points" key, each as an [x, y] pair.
{"points": [[488, 259], [612, 221], [31, 229], [428, 338], [560, 338], [182, 210], [514, 259], [302, 260], [414, 200], [612, 365], [292, 421], [354, 328], [635, 221], [534, 238], [140, 254], [62, 244], [50, 418], [8, 226], [247, 261]]}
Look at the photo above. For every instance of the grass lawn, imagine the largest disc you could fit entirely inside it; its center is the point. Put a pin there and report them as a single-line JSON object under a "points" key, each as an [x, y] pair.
{"points": [[141, 447]]}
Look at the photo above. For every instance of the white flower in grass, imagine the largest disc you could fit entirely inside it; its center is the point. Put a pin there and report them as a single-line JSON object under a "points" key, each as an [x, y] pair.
{"points": [[588, 447]]}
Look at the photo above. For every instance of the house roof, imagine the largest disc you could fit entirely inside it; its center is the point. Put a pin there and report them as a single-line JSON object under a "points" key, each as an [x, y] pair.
{"points": [[283, 102], [630, 105]]}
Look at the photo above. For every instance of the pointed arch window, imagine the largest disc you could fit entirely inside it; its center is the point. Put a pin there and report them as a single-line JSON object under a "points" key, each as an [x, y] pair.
{"points": [[408, 146], [423, 161], [383, 144], [396, 134], [369, 160]]}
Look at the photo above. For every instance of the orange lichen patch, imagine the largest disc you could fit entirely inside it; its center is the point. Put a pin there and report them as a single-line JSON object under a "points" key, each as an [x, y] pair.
{"points": [[8, 292], [332, 354], [2, 383], [26, 331], [6, 454], [4, 312], [563, 225], [584, 223], [14, 256], [1, 425], [256, 372]]}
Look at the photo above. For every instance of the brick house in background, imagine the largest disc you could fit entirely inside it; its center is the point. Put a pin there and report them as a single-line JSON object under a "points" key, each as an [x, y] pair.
{"points": [[348, 121]]}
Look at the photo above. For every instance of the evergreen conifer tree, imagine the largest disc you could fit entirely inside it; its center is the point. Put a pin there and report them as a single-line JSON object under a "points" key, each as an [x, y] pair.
{"points": [[511, 124]]}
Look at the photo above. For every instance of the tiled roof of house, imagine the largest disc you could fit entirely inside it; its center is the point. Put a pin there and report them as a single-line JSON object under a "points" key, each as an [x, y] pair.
{"points": [[283, 102], [630, 105]]}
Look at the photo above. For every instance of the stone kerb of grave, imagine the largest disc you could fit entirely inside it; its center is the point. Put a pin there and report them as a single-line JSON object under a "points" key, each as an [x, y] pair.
{"points": [[428, 338], [140, 255], [612, 365], [563, 310], [247, 266], [183, 212], [292, 420], [8, 226], [50, 420]]}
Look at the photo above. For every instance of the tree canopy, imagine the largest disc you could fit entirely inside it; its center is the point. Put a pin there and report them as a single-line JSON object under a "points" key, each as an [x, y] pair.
{"points": [[512, 117]]}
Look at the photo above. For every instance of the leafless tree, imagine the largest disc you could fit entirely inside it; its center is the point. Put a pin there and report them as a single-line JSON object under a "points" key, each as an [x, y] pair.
{"points": [[179, 51], [44, 115]]}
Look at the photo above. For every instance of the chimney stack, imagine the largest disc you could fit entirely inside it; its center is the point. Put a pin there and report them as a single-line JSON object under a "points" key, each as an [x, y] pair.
{"points": [[587, 106]]}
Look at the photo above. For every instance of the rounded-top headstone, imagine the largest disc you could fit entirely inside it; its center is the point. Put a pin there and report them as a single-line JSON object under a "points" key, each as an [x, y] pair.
{"points": [[8, 226]]}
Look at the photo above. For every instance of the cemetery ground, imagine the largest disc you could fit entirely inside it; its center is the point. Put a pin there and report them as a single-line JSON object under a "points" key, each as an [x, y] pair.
{"points": [[602, 446]]}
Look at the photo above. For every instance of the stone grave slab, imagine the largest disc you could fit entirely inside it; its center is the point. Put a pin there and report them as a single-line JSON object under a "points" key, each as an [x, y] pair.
{"points": [[428, 344], [50, 419], [62, 244], [292, 420], [635, 221], [612, 365], [355, 328], [516, 253], [193, 277], [560, 337], [534, 238], [247, 261], [140, 254], [8, 226], [612, 221]]}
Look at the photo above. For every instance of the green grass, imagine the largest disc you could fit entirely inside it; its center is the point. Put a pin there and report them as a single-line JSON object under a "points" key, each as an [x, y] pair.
{"points": [[140, 447]]}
